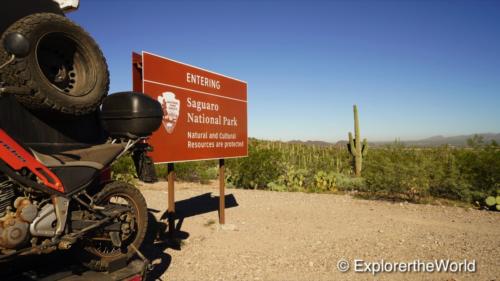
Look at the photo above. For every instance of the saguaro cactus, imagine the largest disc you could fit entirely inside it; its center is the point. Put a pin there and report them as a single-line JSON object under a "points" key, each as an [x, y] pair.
{"points": [[356, 148]]}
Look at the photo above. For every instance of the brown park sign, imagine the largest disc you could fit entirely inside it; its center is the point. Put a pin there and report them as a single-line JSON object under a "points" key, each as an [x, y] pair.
{"points": [[205, 113]]}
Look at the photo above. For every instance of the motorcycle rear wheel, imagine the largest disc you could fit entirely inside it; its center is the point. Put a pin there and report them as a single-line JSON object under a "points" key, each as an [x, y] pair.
{"points": [[99, 253]]}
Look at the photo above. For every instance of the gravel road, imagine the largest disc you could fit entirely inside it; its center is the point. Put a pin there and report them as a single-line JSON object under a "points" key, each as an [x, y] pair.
{"points": [[299, 236]]}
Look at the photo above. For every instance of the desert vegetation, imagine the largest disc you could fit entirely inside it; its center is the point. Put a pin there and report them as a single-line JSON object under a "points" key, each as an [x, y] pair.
{"points": [[395, 172]]}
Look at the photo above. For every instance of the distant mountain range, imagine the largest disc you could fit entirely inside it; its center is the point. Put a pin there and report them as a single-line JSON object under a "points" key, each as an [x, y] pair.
{"points": [[454, 140], [431, 141]]}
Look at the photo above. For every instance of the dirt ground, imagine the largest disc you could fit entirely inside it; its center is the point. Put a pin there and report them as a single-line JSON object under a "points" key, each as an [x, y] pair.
{"points": [[299, 236]]}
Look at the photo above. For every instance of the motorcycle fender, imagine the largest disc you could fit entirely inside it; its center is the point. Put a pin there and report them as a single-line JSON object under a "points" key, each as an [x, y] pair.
{"points": [[17, 158]]}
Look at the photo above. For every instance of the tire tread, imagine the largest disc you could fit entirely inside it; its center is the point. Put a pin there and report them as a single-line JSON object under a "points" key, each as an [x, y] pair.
{"points": [[19, 74]]}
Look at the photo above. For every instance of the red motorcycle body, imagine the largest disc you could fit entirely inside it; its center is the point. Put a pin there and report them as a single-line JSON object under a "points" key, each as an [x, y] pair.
{"points": [[16, 157]]}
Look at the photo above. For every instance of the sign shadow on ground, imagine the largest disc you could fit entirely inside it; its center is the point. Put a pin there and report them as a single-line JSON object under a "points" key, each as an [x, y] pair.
{"points": [[201, 204], [157, 240]]}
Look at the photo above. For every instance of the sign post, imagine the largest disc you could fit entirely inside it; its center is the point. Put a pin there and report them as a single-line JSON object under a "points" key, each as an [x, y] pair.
{"points": [[171, 197], [205, 116], [222, 197]]}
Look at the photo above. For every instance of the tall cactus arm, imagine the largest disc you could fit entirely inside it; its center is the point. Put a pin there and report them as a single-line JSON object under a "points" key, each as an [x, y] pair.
{"points": [[357, 135], [356, 124], [351, 146], [364, 150]]}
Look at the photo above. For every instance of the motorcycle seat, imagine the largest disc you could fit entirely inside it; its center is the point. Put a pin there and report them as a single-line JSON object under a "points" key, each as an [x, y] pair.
{"points": [[97, 156], [80, 167]]}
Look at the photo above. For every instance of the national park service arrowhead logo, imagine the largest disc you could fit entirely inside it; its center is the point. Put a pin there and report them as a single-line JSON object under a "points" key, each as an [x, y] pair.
{"points": [[171, 107]]}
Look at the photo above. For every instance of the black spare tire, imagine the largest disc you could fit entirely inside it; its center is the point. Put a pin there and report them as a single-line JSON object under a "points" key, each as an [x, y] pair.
{"points": [[65, 69]]}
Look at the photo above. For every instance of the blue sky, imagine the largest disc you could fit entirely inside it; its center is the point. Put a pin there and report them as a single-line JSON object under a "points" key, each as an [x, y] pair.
{"points": [[414, 68]]}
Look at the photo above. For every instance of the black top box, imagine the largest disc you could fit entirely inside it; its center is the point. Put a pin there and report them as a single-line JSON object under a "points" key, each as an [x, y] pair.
{"points": [[130, 115]]}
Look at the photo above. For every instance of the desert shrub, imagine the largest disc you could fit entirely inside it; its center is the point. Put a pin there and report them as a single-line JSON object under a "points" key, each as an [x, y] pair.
{"points": [[349, 183], [124, 170], [298, 179], [397, 172], [261, 167], [325, 181], [161, 171], [292, 179], [480, 168], [446, 178], [198, 171], [194, 171]]}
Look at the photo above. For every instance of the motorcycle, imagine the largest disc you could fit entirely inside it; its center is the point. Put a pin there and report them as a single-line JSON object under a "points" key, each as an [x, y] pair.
{"points": [[62, 200]]}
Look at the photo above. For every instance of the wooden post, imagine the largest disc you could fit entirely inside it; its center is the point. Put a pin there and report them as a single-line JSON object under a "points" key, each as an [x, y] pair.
{"points": [[171, 198], [222, 196]]}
